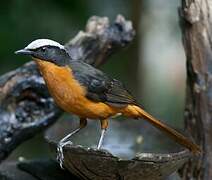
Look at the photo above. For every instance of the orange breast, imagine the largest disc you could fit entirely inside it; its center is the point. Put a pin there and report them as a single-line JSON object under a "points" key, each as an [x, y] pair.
{"points": [[69, 94]]}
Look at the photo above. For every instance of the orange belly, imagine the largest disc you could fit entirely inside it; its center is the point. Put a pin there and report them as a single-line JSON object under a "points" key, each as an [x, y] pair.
{"points": [[70, 95]]}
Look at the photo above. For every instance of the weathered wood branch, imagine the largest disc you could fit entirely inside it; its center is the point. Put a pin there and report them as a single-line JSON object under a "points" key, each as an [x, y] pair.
{"points": [[196, 24], [90, 163], [101, 39], [25, 105]]}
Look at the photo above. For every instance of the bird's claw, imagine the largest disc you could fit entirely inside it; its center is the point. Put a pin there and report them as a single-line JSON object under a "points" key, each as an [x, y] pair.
{"points": [[60, 156]]}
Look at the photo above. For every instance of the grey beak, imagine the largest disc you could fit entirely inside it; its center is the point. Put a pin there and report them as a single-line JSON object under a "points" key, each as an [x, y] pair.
{"points": [[24, 52]]}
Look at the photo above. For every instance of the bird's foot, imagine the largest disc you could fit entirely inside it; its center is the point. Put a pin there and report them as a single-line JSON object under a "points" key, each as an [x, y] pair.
{"points": [[60, 155]]}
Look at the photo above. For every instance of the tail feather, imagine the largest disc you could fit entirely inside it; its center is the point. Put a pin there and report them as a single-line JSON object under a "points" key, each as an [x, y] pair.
{"points": [[179, 138]]}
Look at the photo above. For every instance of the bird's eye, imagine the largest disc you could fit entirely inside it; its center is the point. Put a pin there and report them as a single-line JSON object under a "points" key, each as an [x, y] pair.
{"points": [[43, 49]]}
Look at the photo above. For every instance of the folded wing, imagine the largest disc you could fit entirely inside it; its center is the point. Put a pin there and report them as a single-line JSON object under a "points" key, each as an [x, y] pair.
{"points": [[100, 87]]}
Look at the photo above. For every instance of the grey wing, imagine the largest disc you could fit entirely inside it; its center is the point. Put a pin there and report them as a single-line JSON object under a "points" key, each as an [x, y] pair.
{"points": [[100, 87]]}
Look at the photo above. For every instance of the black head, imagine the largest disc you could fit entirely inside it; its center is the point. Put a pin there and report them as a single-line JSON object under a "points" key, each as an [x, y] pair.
{"points": [[46, 50]]}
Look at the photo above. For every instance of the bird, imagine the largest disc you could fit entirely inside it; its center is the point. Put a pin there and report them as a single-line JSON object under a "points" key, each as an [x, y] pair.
{"points": [[81, 89]]}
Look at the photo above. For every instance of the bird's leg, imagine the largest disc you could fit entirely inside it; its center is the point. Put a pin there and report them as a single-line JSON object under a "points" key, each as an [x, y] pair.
{"points": [[63, 142], [104, 126]]}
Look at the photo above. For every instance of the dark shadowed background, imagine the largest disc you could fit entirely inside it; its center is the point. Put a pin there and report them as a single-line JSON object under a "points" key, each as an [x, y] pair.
{"points": [[153, 67]]}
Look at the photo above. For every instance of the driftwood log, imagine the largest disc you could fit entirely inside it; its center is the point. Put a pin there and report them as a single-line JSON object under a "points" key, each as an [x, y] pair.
{"points": [[90, 163], [196, 25], [26, 108]]}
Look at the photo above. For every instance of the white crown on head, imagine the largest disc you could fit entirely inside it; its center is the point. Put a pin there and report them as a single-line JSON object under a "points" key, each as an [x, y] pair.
{"points": [[43, 42]]}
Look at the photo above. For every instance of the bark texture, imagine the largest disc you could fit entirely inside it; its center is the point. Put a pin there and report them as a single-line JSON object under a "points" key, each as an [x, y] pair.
{"points": [[196, 24]]}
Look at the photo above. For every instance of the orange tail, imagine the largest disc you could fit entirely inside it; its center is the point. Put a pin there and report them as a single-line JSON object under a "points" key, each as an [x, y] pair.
{"points": [[136, 111]]}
